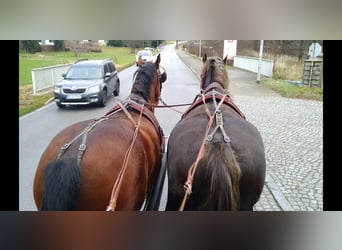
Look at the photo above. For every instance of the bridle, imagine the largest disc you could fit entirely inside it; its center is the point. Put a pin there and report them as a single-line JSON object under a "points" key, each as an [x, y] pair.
{"points": [[158, 90], [207, 79]]}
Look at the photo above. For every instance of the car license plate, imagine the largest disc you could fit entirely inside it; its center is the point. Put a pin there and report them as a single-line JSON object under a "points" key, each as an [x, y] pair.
{"points": [[73, 96]]}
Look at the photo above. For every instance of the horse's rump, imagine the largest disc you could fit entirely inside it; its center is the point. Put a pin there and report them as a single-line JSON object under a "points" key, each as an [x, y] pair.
{"points": [[106, 146], [240, 161], [216, 158]]}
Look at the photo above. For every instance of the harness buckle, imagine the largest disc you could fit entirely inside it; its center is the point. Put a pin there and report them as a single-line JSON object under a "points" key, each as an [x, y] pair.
{"points": [[82, 147], [65, 146], [187, 188], [219, 119], [226, 138]]}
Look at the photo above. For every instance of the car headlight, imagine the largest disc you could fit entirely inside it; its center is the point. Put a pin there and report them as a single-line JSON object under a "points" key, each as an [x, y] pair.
{"points": [[58, 90], [94, 89]]}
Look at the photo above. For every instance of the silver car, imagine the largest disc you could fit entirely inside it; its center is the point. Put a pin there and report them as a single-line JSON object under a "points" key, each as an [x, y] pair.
{"points": [[88, 82], [146, 55]]}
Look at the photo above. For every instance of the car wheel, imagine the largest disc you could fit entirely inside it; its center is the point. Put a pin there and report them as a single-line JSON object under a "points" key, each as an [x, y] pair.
{"points": [[103, 99], [117, 90], [60, 105]]}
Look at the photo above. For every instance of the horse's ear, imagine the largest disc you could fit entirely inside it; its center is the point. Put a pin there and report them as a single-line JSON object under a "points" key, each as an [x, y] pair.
{"points": [[156, 63], [204, 57], [225, 60]]}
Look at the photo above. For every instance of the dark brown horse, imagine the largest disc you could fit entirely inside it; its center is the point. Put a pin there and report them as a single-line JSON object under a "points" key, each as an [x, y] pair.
{"points": [[215, 157], [109, 163]]}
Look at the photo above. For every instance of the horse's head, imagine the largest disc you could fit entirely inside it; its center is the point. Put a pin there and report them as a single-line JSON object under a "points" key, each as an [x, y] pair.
{"points": [[148, 81], [214, 70]]}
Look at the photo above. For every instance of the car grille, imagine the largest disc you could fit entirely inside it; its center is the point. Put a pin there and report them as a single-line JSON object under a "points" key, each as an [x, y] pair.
{"points": [[74, 91]]}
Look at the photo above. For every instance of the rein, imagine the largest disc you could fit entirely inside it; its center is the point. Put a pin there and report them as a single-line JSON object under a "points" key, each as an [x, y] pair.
{"points": [[118, 182], [174, 105], [191, 172]]}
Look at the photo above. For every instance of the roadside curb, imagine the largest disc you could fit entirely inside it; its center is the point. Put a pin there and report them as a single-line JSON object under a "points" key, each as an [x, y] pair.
{"points": [[277, 194], [50, 100], [187, 64]]}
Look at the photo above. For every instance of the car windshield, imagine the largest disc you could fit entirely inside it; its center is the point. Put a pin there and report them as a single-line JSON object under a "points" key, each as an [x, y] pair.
{"points": [[89, 72], [145, 53]]}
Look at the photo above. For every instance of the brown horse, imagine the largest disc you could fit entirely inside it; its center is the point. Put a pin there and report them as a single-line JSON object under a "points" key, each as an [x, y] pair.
{"points": [[215, 157], [109, 163]]}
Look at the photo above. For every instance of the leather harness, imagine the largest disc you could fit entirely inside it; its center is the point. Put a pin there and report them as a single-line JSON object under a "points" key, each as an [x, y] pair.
{"points": [[136, 105], [209, 93]]}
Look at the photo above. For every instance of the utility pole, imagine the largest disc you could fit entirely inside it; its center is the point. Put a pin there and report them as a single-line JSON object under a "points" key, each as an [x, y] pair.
{"points": [[200, 47], [260, 59]]}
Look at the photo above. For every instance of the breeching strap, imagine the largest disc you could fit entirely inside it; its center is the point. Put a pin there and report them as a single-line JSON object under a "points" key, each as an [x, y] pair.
{"points": [[83, 145], [117, 184], [191, 172]]}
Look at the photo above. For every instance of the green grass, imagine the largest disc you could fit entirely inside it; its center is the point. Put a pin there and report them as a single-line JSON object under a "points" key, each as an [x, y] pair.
{"points": [[121, 57], [292, 91], [28, 102]]}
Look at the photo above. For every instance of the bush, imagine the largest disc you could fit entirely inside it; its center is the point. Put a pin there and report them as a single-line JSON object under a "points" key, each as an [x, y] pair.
{"points": [[31, 46], [96, 50], [59, 45]]}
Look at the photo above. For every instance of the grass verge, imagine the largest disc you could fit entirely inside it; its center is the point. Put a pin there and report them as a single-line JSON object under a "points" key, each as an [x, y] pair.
{"points": [[293, 91]]}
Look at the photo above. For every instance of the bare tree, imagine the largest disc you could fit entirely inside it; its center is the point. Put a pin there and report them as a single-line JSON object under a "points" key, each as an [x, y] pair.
{"points": [[78, 46], [133, 44]]}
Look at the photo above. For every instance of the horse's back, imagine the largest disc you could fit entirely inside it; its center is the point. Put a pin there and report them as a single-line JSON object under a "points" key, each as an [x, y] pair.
{"points": [[187, 137]]}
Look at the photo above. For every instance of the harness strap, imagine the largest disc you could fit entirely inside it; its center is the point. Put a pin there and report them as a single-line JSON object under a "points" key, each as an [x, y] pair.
{"points": [[219, 125], [128, 114], [192, 169], [140, 107], [118, 182], [83, 146], [227, 100]]}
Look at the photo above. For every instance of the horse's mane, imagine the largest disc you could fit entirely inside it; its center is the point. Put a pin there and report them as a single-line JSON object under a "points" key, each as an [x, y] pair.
{"points": [[143, 79]]}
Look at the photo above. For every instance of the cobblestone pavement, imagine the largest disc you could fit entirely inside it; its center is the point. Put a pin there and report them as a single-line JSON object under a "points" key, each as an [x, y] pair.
{"points": [[292, 130]]}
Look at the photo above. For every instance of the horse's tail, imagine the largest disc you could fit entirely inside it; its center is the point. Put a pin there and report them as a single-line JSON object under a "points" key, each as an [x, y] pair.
{"points": [[223, 174], [61, 185]]}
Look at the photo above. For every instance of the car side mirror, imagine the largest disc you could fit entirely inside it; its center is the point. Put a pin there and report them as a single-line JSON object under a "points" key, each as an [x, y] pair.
{"points": [[108, 74]]}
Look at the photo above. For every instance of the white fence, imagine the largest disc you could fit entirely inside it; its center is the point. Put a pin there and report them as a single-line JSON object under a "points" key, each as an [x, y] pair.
{"points": [[47, 77], [251, 64]]}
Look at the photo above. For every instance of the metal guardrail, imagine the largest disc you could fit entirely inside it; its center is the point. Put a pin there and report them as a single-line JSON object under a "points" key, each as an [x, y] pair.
{"points": [[46, 77], [251, 64]]}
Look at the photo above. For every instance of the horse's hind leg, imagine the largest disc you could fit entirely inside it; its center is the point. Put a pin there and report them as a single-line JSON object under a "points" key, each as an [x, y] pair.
{"points": [[246, 208], [247, 204]]}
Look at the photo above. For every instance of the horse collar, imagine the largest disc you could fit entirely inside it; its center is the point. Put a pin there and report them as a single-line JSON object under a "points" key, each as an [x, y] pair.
{"points": [[208, 95], [137, 98], [137, 105], [211, 86]]}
